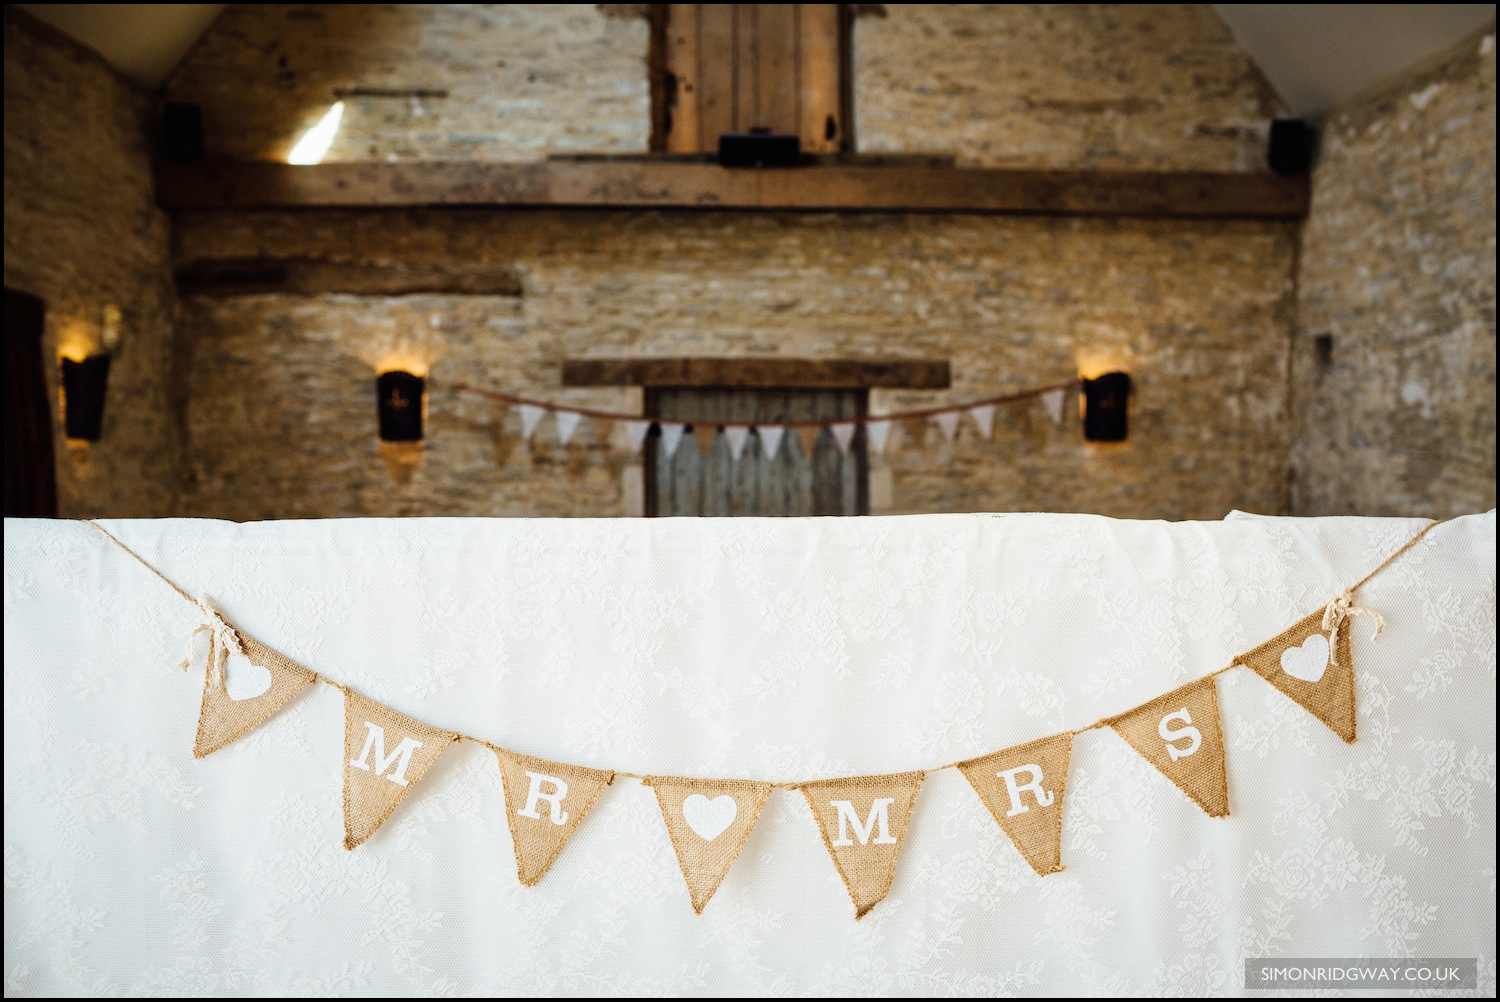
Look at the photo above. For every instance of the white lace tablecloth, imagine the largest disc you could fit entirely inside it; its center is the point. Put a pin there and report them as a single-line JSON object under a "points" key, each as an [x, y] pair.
{"points": [[776, 649]]}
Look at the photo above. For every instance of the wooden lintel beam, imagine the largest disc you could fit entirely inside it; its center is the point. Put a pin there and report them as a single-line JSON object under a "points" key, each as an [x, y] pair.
{"points": [[665, 184], [248, 276], [759, 373]]}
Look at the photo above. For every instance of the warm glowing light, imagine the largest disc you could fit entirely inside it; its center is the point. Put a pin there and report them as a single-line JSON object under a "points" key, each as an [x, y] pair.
{"points": [[76, 341], [414, 364], [314, 144], [1094, 363]]}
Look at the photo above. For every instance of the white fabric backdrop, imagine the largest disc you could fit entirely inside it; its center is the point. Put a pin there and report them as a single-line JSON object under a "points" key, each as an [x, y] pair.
{"points": [[778, 649]]}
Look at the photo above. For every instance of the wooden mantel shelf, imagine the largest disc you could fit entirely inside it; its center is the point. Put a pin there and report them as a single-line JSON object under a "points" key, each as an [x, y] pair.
{"points": [[759, 373], [645, 183]]}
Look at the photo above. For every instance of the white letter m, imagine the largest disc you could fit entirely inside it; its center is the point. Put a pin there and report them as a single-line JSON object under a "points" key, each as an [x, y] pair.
{"points": [[401, 757], [848, 819]]}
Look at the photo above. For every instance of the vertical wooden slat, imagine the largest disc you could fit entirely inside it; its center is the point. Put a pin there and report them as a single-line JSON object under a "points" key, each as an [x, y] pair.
{"points": [[776, 78], [682, 92], [820, 58], [746, 65], [716, 82]]}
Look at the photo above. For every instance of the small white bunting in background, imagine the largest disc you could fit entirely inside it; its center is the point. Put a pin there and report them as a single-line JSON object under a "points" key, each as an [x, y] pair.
{"points": [[1053, 401], [671, 438], [531, 416], [567, 423], [634, 433], [736, 437], [947, 423], [984, 419], [770, 440], [878, 433], [843, 434]]}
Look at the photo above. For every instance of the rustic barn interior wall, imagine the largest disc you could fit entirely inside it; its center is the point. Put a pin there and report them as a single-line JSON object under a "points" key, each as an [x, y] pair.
{"points": [[1395, 350], [83, 233], [262, 403], [279, 418]]}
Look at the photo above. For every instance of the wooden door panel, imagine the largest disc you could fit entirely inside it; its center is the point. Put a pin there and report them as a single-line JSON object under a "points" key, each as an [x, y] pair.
{"points": [[791, 483]]}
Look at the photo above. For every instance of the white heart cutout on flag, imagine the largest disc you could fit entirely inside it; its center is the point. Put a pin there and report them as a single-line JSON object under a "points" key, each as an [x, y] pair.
{"points": [[709, 818], [1309, 661], [244, 679]]}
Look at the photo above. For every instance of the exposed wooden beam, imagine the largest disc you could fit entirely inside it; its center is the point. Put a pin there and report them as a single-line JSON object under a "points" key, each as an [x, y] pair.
{"points": [[764, 373], [308, 276], [675, 184]]}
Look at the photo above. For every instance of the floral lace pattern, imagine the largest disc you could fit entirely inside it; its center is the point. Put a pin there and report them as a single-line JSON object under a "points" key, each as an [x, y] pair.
{"points": [[795, 649]]}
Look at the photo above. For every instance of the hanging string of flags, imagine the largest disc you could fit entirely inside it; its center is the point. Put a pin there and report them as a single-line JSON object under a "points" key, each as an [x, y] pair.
{"points": [[862, 819], [629, 431]]}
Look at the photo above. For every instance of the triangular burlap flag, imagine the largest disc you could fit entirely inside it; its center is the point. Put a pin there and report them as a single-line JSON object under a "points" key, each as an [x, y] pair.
{"points": [[385, 755], [808, 434], [863, 822], [703, 437], [916, 431], [709, 821], [243, 693], [1301, 664], [1023, 788], [544, 804], [1179, 733]]}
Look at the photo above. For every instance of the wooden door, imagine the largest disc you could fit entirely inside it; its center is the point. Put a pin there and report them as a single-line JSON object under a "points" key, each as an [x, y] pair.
{"points": [[830, 482], [733, 67]]}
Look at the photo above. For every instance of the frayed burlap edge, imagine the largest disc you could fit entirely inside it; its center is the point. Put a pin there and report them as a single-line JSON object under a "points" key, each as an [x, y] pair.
{"points": [[510, 824], [261, 654], [1223, 770], [350, 842], [764, 789], [893, 777], [1062, 790]]}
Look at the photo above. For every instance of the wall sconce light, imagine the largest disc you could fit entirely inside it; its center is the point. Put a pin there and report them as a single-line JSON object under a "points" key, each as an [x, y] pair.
{"points": [[400, 398], [1105, 413], [83, 383]]}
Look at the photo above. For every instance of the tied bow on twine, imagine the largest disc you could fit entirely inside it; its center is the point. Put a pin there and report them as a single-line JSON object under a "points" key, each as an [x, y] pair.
{"points": [[223, 640], [1338, 612]]}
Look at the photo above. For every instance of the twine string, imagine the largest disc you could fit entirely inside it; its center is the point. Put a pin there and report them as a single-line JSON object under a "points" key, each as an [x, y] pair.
{"points": [[1335, 614]]}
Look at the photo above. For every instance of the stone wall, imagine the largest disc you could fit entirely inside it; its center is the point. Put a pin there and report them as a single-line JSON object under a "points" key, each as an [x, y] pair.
{"points": [[1395, 346], [82, 232], [281, 421], [281, 417], [522, 81], [1116, 86], [1075, 85]]}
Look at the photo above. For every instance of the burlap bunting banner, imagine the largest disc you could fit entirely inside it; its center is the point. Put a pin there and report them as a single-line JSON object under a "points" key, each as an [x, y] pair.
{"points": [[709, 821], [863, 822], [1023, 788], [1301, 663], [808, 435], [385, 755], [1179, 733], [241, 691], [545, 802]]}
